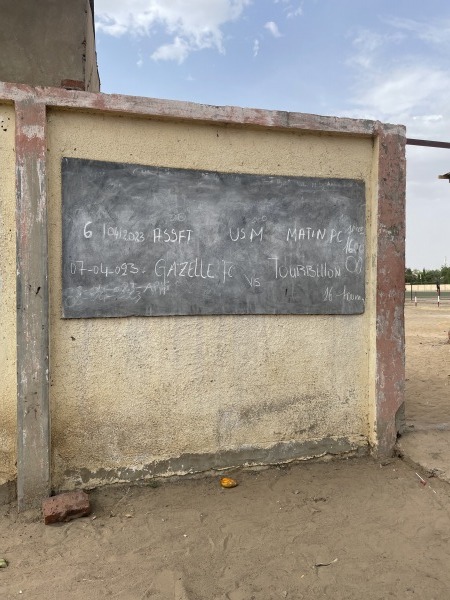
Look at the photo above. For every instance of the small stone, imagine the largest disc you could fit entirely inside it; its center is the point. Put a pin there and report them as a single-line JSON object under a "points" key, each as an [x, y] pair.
{"points": [[66, 506], [3, 563]]}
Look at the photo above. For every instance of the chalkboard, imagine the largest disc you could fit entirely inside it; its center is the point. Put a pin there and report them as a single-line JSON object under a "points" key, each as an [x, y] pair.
{"points": [[149, 241]]}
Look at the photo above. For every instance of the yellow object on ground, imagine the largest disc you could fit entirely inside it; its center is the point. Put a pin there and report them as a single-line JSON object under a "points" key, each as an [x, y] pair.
{"points": [[227, 482]]}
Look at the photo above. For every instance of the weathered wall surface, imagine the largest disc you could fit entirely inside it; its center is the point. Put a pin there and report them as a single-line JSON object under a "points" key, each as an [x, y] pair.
{"points": [[91, 75], [137, 396], [48, 42], [8, 392]]}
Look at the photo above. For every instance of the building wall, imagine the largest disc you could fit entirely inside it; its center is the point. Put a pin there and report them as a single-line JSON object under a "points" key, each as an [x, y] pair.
{"points": [[426, 287], [48, 42], [138, 397], [8, 390], [91, 76], [134, 397]]}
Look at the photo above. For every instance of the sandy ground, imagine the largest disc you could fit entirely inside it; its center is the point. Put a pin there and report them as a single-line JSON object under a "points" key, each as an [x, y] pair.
{"points": [[342, 530], [427, 437], [427, 365]]}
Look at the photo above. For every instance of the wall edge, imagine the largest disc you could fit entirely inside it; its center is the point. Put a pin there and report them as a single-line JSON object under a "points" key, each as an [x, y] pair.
{"points": [[188, 111], [33, 417], [390, 328]]}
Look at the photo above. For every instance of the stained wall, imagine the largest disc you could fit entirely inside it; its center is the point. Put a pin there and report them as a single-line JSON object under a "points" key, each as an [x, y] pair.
{"points": [[49, 43], [135, 397], [8, 389]]}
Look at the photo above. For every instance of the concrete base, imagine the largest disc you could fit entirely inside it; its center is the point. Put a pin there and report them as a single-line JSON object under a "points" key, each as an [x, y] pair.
{"points": [[189, 464]]}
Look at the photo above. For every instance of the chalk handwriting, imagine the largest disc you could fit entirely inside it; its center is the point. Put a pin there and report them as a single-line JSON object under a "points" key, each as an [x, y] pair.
{"points": [[237, 234], [172, 236], [126, 268], [305, 233], [352, 247], [321, 270], [192, 269], [345, 294], [126, 235], [253, 281], [256, 220], [349, 296], [121, 273], [177, 217], [336, 236], [351, 229], [353, 264], [228, 270]]}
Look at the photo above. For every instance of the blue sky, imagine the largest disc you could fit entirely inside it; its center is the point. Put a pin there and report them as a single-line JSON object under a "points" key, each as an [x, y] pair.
{"points": [[377, 59]]}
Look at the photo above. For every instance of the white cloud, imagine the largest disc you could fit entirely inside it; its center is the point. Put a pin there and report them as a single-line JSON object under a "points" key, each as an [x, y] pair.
{"points": [[437, 32], [291, 10], [294, 12], [428, 118], [256, 46], [178, 50], [410, 84], [396, 86], [368, 46], [193, 25], [405, 91], [273, 28], [415, 96]]}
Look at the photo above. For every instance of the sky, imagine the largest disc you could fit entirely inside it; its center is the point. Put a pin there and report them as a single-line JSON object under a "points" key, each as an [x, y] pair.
{"points": [[387, 60]]}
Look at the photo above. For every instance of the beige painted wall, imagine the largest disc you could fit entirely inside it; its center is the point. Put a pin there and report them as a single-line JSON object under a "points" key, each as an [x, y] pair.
{"points": [[128, 392], [8, 390]]}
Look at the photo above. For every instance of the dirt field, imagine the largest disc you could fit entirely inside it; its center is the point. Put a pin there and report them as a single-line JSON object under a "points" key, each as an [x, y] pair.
{"points": [[427, 364], [342, 530]]}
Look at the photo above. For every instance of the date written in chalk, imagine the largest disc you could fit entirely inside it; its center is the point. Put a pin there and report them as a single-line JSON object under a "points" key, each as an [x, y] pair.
{"points": [[126, 268], [113, 233]]}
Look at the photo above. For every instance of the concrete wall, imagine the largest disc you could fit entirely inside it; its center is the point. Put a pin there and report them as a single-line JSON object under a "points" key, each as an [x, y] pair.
{"points": [[136, 397], [148, 395], [8, 393], [48, 43], [426, 287], [91, 75]]}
